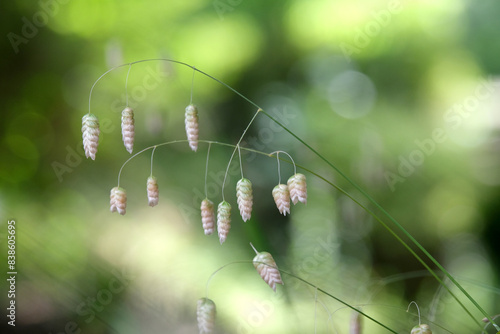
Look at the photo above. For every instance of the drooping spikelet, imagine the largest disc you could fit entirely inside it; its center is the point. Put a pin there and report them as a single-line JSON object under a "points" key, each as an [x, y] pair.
{"points": [[245, 198], [267, 268], [223, 220], [118, 200], [191, 121], [421, 329], [282, 198], [153, 193], [128, 129], [90, 135], [205, 314], [356, 325], [298, 188], [207, 216]]}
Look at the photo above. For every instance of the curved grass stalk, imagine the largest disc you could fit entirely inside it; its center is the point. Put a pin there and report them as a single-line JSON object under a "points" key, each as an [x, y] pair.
{"points": [[270, 155], [354, 184], [399, 226], [305, 282]]}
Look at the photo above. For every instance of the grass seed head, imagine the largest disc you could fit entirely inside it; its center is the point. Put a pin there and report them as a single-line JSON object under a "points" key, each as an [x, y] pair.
{"points": [[207, 216], [191, 121], [153, 193], [298, 188], [356, 325], [118, 200], [244, 198], [282, 198], [267, 269], [223, 220], [205, 314], [128, 129], [421, 329], [90, 135]]}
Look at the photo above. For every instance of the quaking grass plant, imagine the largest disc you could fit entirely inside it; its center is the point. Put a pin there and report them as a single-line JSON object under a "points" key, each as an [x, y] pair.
{"points": [[294, 191]]}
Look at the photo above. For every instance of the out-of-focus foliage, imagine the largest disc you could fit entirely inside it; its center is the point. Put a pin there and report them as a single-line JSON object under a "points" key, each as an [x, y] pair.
{"points": [[400, 95]]}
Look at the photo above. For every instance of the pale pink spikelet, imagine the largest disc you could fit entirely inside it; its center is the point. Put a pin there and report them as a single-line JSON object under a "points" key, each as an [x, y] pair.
{"points": [[153, 193], [421, 329], [208, 216], [118, 200], [205, 314], [267, 268], [223, 220], [356, 325], [282, 198], [245, 198], [128, 129], [298, 188], [90, 135], [191, 121]]}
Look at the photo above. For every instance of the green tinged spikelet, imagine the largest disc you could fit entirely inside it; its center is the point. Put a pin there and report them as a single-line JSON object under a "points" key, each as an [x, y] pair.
{"points": [[298, 188], [191, 122], [118, 200], [205, 314], [223, 220], [90, 135], [153, 192], [207, 216], [421, 329], [281, 197], [244, 198], [128, 129], [267, 269]]}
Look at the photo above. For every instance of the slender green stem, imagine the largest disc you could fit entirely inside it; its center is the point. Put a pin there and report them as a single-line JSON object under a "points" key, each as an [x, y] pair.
{"points": [[365, 194], [215, 272], [293, 162], [192, 86], [126, 85], [336, 298], [175, 62], [152, 155], [418, 310], [315, 307], [241, 165], [235, 148], [399, 226], [279, 171], [210, 142], [206, 169], [401, 241], [303, 281]]}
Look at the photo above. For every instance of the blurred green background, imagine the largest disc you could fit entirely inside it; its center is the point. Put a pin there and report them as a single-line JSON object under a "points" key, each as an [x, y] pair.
{"points": [[403, 96]]}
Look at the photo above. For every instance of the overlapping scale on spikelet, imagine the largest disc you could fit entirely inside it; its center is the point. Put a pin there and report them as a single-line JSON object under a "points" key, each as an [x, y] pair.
{"points": [[267, 269], [298, 188], [356, 324], [223, 220], [90, 135], [207, 216], [421, 329], [205, 314], [153, 192], [128, 129], [191, 121], [281, 197], [118, 200], [244, 198]]}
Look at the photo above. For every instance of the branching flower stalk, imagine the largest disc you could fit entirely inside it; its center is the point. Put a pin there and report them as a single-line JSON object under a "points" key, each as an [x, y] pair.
{"points": [[357, 187], [318, 289]]}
